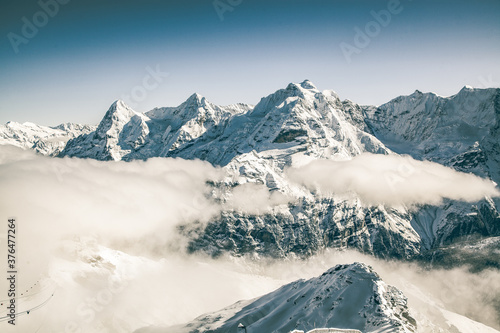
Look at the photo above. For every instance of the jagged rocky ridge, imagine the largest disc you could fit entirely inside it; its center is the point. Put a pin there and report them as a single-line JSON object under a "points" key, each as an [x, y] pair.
{"points": [[124, 134], [255, 144]]}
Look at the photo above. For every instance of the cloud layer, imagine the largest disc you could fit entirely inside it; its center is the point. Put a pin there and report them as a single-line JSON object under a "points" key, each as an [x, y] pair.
{"points": [[81, 222], [392, 180], [102, 237]]}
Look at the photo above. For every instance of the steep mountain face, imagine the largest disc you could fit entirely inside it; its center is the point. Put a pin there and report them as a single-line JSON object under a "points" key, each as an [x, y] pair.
{"points": [[346, 296], [308, 226], [297, 124], [461, 131], [124, 134], [257, 146], [303, 121], [45, 140], [477, 254], [120, 131], [298, 118], [456, 221]]}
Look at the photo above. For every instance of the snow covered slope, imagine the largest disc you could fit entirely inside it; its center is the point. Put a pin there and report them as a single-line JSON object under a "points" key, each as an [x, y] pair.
{"points": [[299, 118], [460, 131], [350, 297], [45, 140], [346, 296], [126, 134]]}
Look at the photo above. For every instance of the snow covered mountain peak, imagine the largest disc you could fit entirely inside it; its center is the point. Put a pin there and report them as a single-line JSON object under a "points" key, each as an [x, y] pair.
{"points": [[126, 134], [298, 117], [120, 131], [306, 84], [117, 116], [119, 107], [196, 96], [16, 125], [289, 120], [196, 100], [292, 92], [346, 296], [119, 104]]}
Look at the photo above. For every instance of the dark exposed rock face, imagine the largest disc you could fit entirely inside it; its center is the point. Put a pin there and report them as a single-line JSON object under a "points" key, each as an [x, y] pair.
{"points": [[306, 228]]}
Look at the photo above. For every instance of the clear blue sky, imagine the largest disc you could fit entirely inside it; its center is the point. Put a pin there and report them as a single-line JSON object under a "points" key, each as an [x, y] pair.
{"points": [[93, 52]]}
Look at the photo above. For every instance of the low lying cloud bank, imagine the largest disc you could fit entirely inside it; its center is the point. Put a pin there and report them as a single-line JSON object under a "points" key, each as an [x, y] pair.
{"points": [[81, 222], [254, 198], [58, 197], [392, 180], [55, 198]]}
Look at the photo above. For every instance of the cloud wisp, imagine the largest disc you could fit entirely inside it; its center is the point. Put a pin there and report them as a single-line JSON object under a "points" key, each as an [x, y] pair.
{"points": [[392, 180]]}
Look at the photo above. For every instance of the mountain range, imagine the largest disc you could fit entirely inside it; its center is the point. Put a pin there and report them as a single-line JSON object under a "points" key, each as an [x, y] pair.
{"points": [[255, 144], [258, 144]]}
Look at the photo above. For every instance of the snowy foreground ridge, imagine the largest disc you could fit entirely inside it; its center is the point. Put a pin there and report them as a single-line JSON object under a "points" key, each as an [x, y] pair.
{"points": [[346, 296], [327, 330]]}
